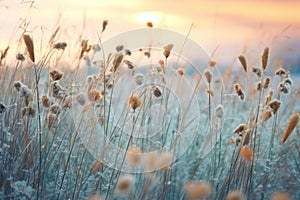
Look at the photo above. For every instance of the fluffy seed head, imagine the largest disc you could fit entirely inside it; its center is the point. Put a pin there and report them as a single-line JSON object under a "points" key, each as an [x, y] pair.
{"points": [[55, 109], [125, 184], [246, 153], [212, 63], [266, 115], [133, 155], [93, 95], [180, 71], [281, 196], [134, 101], [240, 128], [275, 105], [280, 72], [56, 75], [208, 76], [235, 195], [200, 190], [52, 120], [18, 85], [167, 50], [45, 101], [267, 82]]}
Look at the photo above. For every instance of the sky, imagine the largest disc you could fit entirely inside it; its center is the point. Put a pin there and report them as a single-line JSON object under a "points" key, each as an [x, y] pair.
{"points": [[226, 27]]}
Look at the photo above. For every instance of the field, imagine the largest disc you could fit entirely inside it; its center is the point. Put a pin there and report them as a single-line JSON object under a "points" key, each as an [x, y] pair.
{"points": [[147, 118]]}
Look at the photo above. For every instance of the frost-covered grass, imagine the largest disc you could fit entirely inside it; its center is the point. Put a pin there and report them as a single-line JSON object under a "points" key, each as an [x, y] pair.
{"points": [[164, 140]]}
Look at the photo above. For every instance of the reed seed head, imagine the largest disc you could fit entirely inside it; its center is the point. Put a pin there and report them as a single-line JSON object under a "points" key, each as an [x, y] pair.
{"points": [[45, 100], [134, 101], [212, 63], [55, 109], [52, 120], [56, 75], [167, 50], [281, 196], [280, 72], [267, 82], [243, 61], [208, 75], [30, 47], [275, 105], [133, 155], [199, 190], [93, 95], [104, 25], [180, 71], [291, 126], [266, 115], [264, 58], [18, 85], [235, 195], [240, 128], [246, 153], [96, 166], [125, 184]]}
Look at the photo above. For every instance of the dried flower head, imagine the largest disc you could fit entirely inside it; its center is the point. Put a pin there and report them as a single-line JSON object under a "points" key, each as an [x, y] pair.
{"points": [[167, 50], [30, 47], [163, 161], [269, 97], [125, 184], [257, 71], [210, 92], [93, 95], [45, 100], [284, 88], [235, 195], [117, 61], [52, 120], [134, 101], [264, 58], [104, 24], [119, 48], [129, 64], [56, 75], [60, 45], [25, 91], [243, 61], [95, 197], [258, 86], [246, 138], [288, 81], [56, 89], [266, 115], [212, 63], [290, 127], [180, 71], [156, 91], [280, 72], [246, 153], [208, 75], [67, 102], [281, 196], [133, 155], [275, 105], [28, 111], [54, 108], [20, 57], [18, 85], [267, 82], [239, 91], [200, 190], [149, 24], [240, 128]]}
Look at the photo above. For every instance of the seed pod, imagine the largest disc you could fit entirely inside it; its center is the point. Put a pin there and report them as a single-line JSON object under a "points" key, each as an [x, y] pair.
{"points": [[180, 71], [56, 75], [264, 58], [275, 105], [167, 50], [243, 61], [240, 128], [156, 91], [52, 120], [45, 101], [55, 108], [290, 127], [267, 82], [208, 76], [280, 72], [134, 101]]}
